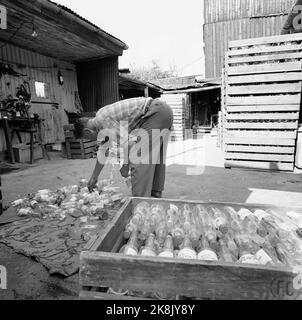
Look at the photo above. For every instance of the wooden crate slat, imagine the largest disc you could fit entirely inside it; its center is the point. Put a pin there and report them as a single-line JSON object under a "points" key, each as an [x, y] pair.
{"points": [[264, 100], [264, 49], [260, 157], [273, 166], [79, 151], [265, 78], [93, 295], [260, 149], [292, 125], [231, 140], [266, 40], [264, 108], [85, 144], [217, 281], [263, 116], [262, 58], [262, 134], [265, 89], [265, 68], [78, 157]]}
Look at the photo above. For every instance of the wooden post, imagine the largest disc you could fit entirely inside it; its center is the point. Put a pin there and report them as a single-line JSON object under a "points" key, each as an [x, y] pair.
{"points": [[9, 147], [146, 92]]}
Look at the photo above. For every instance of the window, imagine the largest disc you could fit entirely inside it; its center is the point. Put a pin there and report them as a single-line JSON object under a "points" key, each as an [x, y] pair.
{"points": [[41, 89]]}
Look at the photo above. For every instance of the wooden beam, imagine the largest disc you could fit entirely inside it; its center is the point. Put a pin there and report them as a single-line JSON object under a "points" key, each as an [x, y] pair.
{"points": [[265, 78], [264, 100], [264, 89], [256, 141], [263, 58], [273, 166], [268, 49], [264, 108], [260, 157], [266, 40], [260, 149], [265, 68]]}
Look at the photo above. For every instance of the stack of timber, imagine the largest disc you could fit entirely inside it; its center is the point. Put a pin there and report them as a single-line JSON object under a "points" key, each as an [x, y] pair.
{"points": [[178, 104], [263, 96]]}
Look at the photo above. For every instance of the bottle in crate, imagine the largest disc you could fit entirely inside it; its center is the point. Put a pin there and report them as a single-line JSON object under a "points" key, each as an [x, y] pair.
{"points": [[186, 251], [226, 254], [205, 251], [131, 249], [168, 249], [118, 291], [247, 250], [149, 249], [219, 220]]}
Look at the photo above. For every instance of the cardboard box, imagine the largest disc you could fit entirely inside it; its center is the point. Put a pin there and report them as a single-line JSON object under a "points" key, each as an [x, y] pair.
{"points": [[22, 152]]}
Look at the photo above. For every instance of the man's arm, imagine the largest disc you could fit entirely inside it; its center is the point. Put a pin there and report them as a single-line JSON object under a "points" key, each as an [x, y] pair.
{"points": [[95, 175]]}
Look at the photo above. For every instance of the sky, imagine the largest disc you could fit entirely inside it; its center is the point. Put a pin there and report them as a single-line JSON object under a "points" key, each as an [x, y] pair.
{"points": [[167, 31]]}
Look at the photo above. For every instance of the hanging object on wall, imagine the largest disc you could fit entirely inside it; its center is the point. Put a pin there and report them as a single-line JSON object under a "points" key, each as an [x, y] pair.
{"points": [[8, 69], [3, 17], [60, 78]]}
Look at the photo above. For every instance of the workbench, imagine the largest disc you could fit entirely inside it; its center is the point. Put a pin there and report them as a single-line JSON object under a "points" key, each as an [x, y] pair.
{"points": [[18, 125]]}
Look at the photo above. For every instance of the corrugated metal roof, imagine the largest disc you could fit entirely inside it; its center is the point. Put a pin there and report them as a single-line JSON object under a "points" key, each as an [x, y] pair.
{"points": [[84, 19], [189, 82]]}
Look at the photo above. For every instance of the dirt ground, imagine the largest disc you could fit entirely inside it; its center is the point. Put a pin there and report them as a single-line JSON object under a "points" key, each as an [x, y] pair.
{"points": [[211, 182]]}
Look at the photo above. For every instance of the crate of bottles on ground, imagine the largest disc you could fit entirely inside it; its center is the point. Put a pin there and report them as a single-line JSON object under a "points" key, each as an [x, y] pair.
{"points": [[262, 242]]}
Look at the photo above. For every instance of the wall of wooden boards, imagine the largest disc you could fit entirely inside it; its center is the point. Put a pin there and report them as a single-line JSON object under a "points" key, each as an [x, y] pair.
{"points": [[36, 67]]}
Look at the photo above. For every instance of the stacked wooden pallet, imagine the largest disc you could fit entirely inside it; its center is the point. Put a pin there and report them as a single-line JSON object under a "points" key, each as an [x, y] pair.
{"points": [[263, 96], [178, 103]]}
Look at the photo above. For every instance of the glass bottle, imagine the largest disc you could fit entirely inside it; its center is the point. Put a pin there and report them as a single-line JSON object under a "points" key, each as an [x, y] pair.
{"points": [[168, 249], [186, 251], [219, 220], [247, 250], [118, 291], [205, 252], [225, 253], [161, 232], [131, 248], [149, 249]]}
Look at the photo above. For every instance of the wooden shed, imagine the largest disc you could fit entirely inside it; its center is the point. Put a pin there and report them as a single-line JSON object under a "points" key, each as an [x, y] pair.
{"points": [[67, 63], [195, 102]]}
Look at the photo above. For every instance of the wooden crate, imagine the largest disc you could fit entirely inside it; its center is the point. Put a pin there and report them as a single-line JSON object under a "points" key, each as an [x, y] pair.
{"points": [[102, 267], [80, 148], [263, 96]]}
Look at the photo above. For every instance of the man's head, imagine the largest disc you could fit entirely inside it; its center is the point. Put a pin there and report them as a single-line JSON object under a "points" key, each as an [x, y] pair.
{"points": [[85, 129]]}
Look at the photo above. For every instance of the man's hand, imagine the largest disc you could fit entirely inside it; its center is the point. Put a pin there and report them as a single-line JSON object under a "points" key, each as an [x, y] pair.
{"points": [[92, 184], [125, 171]]}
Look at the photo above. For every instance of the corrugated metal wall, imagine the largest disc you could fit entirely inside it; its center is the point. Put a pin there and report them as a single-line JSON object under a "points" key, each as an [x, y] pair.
{"points": [[227, 20], [224, 10], [98, 83], [36, 67]]}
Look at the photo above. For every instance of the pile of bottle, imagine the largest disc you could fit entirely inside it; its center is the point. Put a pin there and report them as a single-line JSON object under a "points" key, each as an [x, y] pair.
{"points": [[75, 201], [208, 233]]}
